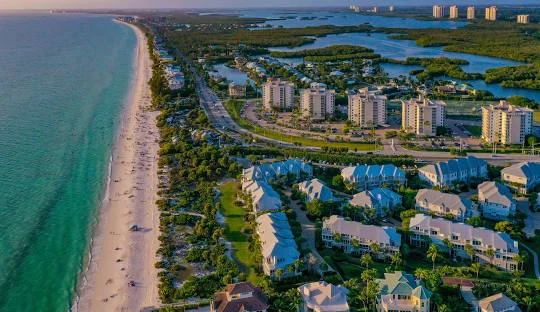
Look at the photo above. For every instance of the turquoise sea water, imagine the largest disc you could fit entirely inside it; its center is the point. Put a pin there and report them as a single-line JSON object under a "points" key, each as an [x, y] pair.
{"points": [[63, 81]]}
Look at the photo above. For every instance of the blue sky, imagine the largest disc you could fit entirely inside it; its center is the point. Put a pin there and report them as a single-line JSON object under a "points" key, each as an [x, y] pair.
{"points": [[47, 4]]}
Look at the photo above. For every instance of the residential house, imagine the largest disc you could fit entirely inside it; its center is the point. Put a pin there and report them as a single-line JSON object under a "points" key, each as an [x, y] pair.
{"points": [[355, 237], [278, 246], [366, 177], [263, 197], [240, 297], [445, 205], [455, 170], [498, 303], [400, 291], [316, 189], [522, 177], [381, 200], [322, 297], [495, 201], [459, 235]]}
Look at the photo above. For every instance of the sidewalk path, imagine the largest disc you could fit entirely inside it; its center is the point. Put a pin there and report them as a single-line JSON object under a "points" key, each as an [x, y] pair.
{"points": [[468, 296]]}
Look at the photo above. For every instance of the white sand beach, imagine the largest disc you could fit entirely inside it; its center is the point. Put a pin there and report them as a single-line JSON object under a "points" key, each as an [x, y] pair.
{"points": [[119, 255]]}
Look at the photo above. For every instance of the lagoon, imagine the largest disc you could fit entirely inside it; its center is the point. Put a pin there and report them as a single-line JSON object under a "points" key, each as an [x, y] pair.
{"points": [[401, 49], [303, 18]]}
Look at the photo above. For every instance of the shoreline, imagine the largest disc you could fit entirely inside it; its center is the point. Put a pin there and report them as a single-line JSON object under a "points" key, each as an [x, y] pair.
{"points": [[116, 254]]}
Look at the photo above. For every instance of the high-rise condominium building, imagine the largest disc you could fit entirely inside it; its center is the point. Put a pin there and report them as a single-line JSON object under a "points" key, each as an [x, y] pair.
{"points": [[367, 109], [523, 19], [317, 102], [471, 12], [491, 13], [422, 116], [454, 13], [505, 123], [277, 94], [391, 8], [438, 11]]}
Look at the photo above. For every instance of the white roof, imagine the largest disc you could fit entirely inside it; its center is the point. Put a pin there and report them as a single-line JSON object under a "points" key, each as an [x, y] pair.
{"points": [[316, 189], [465, 232], [453, 202], [277, 240], [324, 297], [494, 192], [528, 170], [376, 198], [362, 172], [371, 233]]}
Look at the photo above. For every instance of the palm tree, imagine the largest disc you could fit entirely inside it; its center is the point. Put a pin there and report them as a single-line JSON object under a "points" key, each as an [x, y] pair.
{"points": [[375, 248], [448, 245], [396, 260], [475, 267], [432, 253], [469, 249], [366, 260], [519, 259], [279, 274], [355, 243], [298, 264], [444, 308], [490, 253]]}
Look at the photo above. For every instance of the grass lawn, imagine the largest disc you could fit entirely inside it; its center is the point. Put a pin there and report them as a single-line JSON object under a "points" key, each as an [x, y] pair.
{"points": [[234, 220], [234, 107], [475, 131]]}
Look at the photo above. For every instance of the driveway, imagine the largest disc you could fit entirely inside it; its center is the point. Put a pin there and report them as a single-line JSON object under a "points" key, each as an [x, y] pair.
{"points": [[308, 230], [532, 222]]}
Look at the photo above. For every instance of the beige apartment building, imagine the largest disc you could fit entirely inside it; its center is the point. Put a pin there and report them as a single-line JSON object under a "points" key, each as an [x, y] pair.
{"points": [[491, 13], [438, 11], [277, 94], [422, 116], [237, 90], [505, 123], [471, 12], [523, 19], [454, 12], [317, 102], [367, 109]]}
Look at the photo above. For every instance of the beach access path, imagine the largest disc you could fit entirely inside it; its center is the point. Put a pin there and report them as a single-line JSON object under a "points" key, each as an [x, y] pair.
{"points": [[119, 256]]}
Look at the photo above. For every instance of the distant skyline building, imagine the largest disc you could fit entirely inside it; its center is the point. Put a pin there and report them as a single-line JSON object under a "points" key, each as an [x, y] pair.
{"points": [[454, 12], [277, 94], [391, 8], [317, 102], [471, 12], [422, 116], [367, 109], [523, 19], [438, 11], [491, 13], [375, 9], [505, 123]]}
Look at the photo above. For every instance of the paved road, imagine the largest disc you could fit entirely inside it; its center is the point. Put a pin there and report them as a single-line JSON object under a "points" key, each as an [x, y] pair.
{"points": [[468, 296]]}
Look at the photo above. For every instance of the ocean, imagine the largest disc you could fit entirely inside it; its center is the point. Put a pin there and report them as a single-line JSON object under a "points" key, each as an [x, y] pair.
{"points": [[63, 83]]}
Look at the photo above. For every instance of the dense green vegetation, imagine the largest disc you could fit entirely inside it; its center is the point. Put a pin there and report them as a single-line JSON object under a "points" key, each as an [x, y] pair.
{"points": [[501, 39], [505, 40], [192, 40], [330, 54], [524, 76], [438, 66]]}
